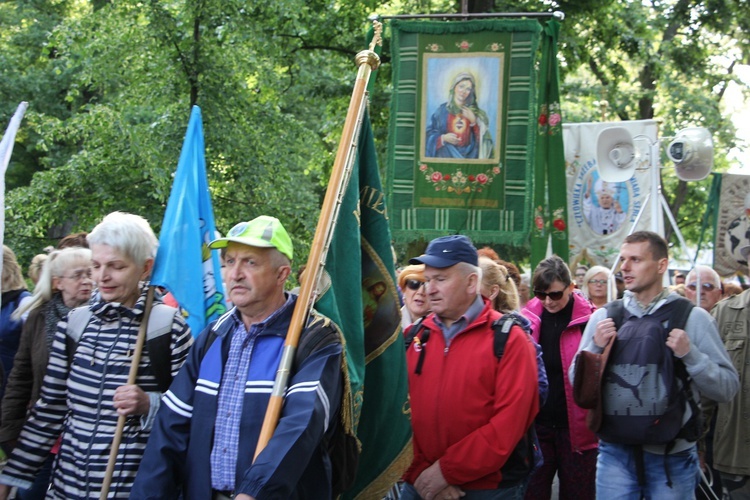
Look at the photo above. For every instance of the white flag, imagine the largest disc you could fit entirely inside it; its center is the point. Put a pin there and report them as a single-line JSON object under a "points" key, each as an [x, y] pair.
{"points": [[6, 148]]}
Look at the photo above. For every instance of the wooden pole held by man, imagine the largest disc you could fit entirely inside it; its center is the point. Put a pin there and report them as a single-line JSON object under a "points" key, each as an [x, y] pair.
{"points": [[367, 61]]}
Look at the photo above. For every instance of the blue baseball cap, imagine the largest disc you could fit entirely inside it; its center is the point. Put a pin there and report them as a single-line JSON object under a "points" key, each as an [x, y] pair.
{"points": [[448, 251]]}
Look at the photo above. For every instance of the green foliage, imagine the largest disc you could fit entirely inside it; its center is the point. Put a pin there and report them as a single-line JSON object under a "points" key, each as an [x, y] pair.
{"points": [[110, 86]]}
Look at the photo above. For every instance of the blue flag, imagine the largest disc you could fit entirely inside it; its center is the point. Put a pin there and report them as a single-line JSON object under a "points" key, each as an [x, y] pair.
{"points": [[184, 264]]}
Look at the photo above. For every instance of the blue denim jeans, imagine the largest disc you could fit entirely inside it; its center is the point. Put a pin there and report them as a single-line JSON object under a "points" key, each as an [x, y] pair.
{"points": [[616, 477], [511, 493]]}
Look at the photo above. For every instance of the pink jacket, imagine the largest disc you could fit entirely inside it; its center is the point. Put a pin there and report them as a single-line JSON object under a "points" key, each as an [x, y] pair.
{"points": [[581, 438]]}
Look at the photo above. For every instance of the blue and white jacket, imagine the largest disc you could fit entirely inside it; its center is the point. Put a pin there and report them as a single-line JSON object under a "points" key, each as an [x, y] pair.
{"points": [[294, 464]]}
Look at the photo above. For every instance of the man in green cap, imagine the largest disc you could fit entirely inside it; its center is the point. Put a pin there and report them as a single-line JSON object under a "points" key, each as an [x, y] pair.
{"points": [[205, 434]]}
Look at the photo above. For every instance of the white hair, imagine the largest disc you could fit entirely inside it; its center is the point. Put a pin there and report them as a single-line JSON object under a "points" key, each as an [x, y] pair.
{"points": [[57, 264], [467, 269], [590, 274], [129, 233], [701, 268]]}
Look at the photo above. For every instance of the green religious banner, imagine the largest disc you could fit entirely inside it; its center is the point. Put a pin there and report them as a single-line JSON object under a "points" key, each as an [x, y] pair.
{"points": [[358, 292], [550, 194], [463, 125]]}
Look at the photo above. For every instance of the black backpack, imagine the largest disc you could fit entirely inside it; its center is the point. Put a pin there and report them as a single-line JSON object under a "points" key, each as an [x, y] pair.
{"points": [[343, 446], [526, 456], [646, 389]]}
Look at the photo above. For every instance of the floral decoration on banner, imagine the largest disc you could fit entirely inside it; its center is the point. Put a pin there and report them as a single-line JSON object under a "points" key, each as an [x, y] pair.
{"points": [[464, 45], [458, 182], [558, 222], [539, 220], [550, 119], [495, 47], [434, 47]]}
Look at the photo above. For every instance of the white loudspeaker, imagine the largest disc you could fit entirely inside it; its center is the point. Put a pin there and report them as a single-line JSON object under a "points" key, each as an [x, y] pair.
{"points": [[692, 153], [615, 154]]}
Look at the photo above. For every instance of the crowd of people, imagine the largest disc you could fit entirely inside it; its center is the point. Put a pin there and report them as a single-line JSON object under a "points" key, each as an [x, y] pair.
{"points": [[495, 361]]}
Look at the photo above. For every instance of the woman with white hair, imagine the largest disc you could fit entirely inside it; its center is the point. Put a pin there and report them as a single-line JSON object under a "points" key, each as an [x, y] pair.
{"points": [[64, 283], [594, 285], [86, 387]]}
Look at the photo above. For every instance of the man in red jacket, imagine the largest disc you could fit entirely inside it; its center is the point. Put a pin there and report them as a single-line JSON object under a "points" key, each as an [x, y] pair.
{"points": [[471, 410]]}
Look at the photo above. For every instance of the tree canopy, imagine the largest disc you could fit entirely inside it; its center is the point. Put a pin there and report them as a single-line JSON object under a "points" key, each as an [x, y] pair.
{"points": [[110, 86]]}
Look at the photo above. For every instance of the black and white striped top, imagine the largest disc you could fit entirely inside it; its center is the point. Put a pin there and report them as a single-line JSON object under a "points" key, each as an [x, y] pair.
{"points": [[76, 401]]}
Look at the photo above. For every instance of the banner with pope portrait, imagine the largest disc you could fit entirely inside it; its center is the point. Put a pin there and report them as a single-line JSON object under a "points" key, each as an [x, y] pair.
{"points": [[601, 214]]}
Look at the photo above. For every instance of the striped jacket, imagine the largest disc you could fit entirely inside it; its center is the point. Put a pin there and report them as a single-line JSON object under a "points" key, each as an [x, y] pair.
{"points": [[76, 401], [295, 463]]}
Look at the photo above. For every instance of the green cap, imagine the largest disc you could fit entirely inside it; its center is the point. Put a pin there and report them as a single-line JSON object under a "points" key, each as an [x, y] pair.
{"points": [[263, 232]]}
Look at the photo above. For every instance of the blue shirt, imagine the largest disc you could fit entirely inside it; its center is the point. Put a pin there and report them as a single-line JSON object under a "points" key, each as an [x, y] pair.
{"points": [[231, 396], [461, 323]]}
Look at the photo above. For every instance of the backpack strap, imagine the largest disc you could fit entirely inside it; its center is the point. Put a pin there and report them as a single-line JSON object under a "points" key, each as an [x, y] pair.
{"points": [[680, 313], [159, 343], [616, 311], [502, 327], [525, 456], [158, 339], [692, 429], [421, 334], [78, 318], [414, 330], [315, 336]]}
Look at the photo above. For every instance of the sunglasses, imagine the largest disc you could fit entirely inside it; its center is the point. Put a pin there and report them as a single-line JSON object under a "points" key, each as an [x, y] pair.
{"points": [[597, 282], [708, 287], [414, 284], [552, 295]]}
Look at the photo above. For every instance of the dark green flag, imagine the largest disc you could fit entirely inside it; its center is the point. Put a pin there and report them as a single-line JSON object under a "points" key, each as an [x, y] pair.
{"points": [[359, 294], [550, 209]]}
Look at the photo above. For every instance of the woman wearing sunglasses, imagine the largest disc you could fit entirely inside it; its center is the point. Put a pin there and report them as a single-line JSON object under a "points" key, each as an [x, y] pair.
{"points": [[594, 285], [416, 305], [558, 315]]}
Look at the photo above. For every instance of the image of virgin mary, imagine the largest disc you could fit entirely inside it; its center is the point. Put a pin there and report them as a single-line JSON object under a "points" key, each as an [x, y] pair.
{"points": [[459, 128]]}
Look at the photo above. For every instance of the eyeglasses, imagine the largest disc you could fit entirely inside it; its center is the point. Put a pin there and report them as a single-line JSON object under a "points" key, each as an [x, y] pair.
{"points": [[414, 284], [597, 282], [79, 275], [552, 295], [708, 287]]}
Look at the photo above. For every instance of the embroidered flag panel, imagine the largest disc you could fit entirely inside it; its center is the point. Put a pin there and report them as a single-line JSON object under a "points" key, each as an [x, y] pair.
{"points": [[462, 131]]}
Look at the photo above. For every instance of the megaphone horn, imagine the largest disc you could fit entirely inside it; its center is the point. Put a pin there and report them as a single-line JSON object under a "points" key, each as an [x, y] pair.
{"points": [[692, 153], [615, 154]]}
